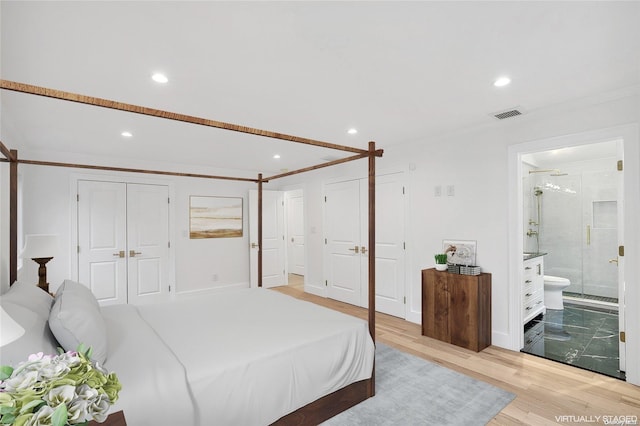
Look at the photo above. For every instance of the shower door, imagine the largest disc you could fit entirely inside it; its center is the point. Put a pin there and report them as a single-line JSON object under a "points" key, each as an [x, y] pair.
{"points": [[600, 248]]}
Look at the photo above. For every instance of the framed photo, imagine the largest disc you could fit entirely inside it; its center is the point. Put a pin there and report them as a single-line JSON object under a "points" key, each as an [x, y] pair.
{"points": [[460, 252], [215, 217]]}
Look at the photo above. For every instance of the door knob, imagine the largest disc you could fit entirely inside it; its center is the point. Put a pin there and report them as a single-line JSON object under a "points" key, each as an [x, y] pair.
{"points": [[364, 250], [254, 245], [119, 254], [356, 249], [133, 253], [613, 261]]}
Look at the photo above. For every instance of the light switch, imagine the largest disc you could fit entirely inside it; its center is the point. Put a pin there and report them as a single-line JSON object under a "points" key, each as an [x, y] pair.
{"points": [[437, 191]]}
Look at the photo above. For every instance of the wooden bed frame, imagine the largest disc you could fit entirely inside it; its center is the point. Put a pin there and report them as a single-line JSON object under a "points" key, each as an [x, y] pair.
{"points": [[315, 412]]}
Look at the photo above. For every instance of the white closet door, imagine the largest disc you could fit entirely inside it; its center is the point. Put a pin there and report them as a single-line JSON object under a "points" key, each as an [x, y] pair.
{"points": [[102, 245], [342, 241], [123, 239], [148, 242]]}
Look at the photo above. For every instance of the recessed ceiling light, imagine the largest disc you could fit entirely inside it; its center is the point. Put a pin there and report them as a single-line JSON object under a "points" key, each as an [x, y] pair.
{"points": [[159, 78], [276, 156], [352, 131], [502, 81], [127, 134]]}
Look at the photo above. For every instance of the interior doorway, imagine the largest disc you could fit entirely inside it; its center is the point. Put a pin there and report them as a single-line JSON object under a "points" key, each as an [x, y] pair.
{"points": [[573, 218], [295, 236]]}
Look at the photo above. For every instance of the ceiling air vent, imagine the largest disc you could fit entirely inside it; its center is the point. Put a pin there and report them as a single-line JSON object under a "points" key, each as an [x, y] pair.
{"points": [[507, 114]]}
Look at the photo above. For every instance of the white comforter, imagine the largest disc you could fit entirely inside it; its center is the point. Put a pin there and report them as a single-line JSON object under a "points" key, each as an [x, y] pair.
{"points": [[249, 356]]}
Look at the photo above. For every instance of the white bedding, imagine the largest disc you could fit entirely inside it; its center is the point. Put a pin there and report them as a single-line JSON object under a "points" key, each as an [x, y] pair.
{"points": [[250, 356], [154, 385]]}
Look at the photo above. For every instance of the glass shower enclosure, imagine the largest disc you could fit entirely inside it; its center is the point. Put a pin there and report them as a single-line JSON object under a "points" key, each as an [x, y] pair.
{"points": [[572, 215]]}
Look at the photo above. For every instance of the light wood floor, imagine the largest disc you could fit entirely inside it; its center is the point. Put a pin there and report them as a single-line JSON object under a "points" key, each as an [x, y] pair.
{"points": [[544, 389]]}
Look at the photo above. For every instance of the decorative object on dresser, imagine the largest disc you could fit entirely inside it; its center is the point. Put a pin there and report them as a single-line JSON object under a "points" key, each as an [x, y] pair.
{"points": [[441, 261], [41, 249], [457, 308], [533, 287]]}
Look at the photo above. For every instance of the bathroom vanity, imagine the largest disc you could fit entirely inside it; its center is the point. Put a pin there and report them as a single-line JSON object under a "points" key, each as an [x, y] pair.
{"points": [[533, 286]]}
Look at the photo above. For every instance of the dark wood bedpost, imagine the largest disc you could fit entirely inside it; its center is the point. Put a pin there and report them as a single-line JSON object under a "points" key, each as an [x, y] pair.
{"points": [[13, 217], [260, 230], [372, 254]]}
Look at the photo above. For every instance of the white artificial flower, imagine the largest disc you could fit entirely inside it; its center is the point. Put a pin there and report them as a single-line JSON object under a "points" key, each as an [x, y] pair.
{"points": [[78, 411], [99, 408], [86, 392], [41, 417], [21, 381], [60, 395]]}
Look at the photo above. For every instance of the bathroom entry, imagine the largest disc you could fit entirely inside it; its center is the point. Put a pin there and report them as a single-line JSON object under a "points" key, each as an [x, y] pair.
{"points": [[573, 212]]}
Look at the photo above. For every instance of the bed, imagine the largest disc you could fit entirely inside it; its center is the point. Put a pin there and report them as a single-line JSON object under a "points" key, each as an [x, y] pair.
{"points": [[244, 356], [324, 360]]}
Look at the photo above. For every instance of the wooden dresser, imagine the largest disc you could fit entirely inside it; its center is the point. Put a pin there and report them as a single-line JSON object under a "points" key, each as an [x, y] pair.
{"points": [[457, 308]]}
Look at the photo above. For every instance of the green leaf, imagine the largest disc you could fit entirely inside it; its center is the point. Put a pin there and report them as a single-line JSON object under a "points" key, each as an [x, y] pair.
{"points": [[8, 419], [85, 350], [5, 372], [59, 416], [31, 406]]}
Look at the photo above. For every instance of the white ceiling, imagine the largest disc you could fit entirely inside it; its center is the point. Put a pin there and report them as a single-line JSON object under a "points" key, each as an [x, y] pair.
{"points": [[397, 71]]}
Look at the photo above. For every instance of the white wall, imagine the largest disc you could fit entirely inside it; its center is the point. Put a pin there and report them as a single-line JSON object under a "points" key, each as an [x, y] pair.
{"points": [[475, 162], [200, 264]]}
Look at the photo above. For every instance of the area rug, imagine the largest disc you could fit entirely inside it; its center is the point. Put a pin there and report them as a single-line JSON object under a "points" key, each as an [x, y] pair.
{"points": [[413, 391]]}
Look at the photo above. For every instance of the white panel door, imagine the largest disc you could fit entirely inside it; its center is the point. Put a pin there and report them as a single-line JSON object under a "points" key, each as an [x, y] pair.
{"points": [[346, 251], [342, 241], [123, 241], [273, 265], [148, 242], [102, 245], [295, 232], [390, 263]]}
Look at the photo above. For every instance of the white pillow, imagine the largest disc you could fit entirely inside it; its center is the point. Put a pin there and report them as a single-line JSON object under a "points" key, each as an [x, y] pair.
{"points": [[76, 318], [80, 290], [31, 297]]}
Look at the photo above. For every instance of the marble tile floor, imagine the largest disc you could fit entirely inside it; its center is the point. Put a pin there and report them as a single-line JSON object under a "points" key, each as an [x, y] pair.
{"points": [[581, 336]]}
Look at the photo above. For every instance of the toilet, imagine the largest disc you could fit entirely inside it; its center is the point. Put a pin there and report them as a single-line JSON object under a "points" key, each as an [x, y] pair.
{"points": [[553, 287]]}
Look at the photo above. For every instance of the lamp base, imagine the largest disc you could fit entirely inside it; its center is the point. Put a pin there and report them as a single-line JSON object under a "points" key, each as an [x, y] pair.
{"points": [[42, 272]]}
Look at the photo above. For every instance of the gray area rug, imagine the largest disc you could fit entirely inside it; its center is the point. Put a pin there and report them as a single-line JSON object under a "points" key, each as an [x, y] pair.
{"points": [[413, 391]]}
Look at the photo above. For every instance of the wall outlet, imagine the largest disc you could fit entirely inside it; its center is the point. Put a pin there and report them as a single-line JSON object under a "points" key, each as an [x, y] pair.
{"points": [[451, 190], [437, 191], [214, 278]]}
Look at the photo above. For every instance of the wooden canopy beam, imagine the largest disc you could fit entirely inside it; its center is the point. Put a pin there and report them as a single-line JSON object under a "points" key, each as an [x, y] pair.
{"points": [[260, 230], [6, 152], [13, 217], [378, 153], [120, 106], [129, 170], [372, 254]]}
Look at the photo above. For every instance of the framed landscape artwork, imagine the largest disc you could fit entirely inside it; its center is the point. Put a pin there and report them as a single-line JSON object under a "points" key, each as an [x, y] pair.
{"points": [[215, 217]]}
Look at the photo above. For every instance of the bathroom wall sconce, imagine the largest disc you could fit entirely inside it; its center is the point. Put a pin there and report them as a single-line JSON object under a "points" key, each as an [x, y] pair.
{"points": [[41, 249]]}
